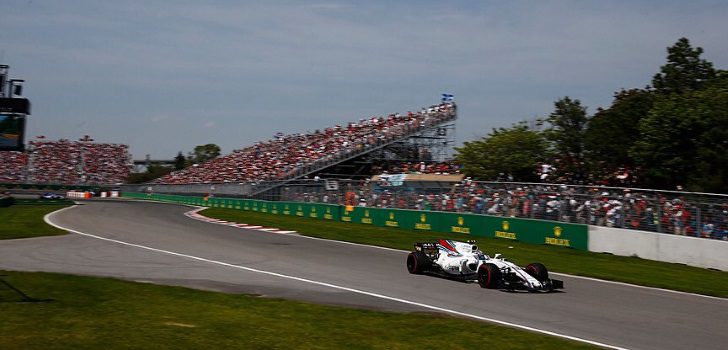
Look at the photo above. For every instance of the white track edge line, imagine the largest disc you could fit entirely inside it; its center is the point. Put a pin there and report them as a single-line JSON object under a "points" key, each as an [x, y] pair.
{"points": [[625, 284], [551, 272], [47, 219], [199, 208]]}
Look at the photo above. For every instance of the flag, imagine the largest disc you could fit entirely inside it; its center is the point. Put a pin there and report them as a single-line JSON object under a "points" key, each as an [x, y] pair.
{"points": [[447, 97]]}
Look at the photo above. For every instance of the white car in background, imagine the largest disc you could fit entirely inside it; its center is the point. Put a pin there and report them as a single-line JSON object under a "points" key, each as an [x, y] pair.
{"points": [[464, 261], [50, 195]]}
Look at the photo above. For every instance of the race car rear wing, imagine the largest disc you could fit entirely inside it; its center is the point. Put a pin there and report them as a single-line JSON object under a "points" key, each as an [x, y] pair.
{"points": [[430, 249], [423, 246]]}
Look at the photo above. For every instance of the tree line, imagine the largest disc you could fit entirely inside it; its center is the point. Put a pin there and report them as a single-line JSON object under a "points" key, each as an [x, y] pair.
{"points": [[672, 134], [199, 154]]}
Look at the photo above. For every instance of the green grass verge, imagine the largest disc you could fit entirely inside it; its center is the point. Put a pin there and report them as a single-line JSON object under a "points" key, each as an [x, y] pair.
{"points": [[23, 221], [603, 266], [104, 313]]}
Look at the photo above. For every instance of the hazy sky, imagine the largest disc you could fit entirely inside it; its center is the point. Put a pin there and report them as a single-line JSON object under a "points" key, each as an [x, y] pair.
{"points": [[165, 76]]}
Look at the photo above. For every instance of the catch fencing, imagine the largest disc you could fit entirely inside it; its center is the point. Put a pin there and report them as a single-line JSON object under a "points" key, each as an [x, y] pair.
{"points": [[525, 230], [682, 213]]}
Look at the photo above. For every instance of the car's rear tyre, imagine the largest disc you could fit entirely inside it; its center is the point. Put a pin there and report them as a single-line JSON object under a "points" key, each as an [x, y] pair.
{"points": [[538, 271], [417, 262], [489, 276]]}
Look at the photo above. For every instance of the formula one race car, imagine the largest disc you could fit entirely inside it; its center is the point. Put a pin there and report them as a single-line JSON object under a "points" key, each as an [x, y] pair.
{"points": [[50, 195], [465, 262]]}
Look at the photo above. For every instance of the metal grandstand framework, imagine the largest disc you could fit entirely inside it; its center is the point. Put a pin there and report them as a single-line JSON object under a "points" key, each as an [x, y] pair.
{"points": [[427, 143], [432, 144]]}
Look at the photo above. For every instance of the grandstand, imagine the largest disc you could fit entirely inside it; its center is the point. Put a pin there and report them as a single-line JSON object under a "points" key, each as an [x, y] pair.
{"points": [[13, 165], [339, 150], [65, 162]]}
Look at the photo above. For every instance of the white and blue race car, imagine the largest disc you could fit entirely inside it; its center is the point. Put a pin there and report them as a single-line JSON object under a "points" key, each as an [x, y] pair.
{"points": [[466, 262], [50, 195]]}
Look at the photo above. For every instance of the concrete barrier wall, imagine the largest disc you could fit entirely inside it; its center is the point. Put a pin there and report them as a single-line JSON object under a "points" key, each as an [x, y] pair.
{"points": [[228, 189], [701, 252]]}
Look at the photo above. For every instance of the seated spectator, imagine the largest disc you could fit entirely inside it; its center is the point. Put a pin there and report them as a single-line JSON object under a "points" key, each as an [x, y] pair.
{"points": [[78, 162], [290, 156], [13, 166]]}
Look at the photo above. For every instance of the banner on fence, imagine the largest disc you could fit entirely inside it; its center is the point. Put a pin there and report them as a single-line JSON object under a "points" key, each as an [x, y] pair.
{"points": [[517, 229]]}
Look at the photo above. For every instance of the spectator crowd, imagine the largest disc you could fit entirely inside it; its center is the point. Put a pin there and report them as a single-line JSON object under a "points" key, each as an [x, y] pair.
{"points": [[658, 211], [288, 156], [435, 168], [13, 165], [67, 162]]}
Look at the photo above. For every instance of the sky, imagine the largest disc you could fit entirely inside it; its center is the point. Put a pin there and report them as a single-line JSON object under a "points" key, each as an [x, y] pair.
{"points": [[166, 76]]}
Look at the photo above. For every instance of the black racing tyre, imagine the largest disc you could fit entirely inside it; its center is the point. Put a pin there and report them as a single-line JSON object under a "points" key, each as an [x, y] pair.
{"points": [[489, 276], [417, 262], [538, 271]]}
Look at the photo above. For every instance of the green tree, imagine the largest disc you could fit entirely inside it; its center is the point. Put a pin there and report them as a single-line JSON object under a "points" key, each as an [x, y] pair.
{"points": [[685, 139], [180, 162], [684, 71], [515, 151], [611, 132], [568, 125], [710, 173], [154, 171], [204, 153]]}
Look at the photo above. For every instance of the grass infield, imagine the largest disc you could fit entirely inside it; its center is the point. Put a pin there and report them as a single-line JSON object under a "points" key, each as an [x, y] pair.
{"points": [[103, 313], [76, 312], [575, 262], [24, 221]]}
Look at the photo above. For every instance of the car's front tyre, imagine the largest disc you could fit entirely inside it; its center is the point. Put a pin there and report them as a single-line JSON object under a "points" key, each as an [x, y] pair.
{"points": [[538, 271], [489, 276]]}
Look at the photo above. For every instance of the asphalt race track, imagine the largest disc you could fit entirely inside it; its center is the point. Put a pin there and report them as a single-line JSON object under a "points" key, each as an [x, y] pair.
{"points": [[155, 242]]}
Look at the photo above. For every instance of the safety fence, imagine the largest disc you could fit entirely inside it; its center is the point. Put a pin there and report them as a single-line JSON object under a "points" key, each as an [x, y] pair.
{"points": [[518, 229], [703, 215]]}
